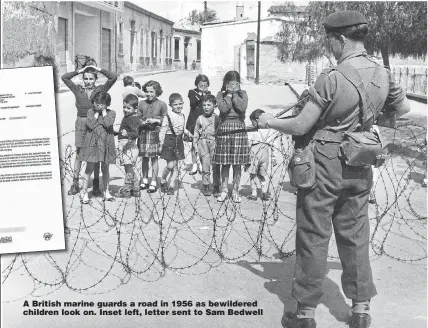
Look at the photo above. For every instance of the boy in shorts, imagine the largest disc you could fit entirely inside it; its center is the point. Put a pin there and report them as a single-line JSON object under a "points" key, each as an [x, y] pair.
{"points": [[127, 136]]}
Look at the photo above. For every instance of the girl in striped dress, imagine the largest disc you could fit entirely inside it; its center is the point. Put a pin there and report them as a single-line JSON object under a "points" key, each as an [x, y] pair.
{"points": [[152, 112], [232, 147]]}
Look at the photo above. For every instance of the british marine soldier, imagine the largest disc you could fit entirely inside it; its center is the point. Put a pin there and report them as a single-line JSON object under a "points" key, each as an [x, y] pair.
{"points": [[333, 194]]}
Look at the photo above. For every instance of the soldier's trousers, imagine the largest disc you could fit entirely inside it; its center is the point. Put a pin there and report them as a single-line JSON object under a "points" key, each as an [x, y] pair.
{"points": [[338, 203]]}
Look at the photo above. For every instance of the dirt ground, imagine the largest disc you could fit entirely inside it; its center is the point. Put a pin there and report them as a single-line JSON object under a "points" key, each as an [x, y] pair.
{"points": [[188, 247]]}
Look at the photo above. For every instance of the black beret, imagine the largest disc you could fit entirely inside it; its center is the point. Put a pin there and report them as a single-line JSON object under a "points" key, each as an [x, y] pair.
{"points": [[342, 19]]}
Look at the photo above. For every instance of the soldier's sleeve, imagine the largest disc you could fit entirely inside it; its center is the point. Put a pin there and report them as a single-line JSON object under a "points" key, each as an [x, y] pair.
{"points": [[396, 102], [322, 92]]}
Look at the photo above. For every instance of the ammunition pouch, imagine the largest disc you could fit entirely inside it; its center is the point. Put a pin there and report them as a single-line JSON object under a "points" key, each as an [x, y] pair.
{"points": [[361, 148], [301, 168]]}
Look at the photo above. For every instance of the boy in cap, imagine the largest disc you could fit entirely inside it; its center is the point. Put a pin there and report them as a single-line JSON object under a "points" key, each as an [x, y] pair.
{"points": [[340, 194]]}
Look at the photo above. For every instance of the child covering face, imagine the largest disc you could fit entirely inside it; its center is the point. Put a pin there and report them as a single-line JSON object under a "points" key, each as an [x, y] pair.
{"points": [[99, 146], [232, 147], [84, 101]]}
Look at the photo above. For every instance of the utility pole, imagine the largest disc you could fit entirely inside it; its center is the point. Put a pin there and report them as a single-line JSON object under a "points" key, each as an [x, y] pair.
{"points": [[205, 11], [258, 45]]}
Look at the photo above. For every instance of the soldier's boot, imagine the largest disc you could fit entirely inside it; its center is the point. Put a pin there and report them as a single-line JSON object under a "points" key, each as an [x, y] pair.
{"points": [[360, 320], [360, 314], [295, 322], [74, 189], [96, 192], [303, 318]]}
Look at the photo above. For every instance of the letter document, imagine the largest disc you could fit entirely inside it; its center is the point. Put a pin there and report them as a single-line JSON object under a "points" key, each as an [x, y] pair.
{"points": [[31, 215]]}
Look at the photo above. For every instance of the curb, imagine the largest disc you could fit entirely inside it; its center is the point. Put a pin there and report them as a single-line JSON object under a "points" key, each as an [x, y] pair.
{"points": [[120, 77], [417, 97]]}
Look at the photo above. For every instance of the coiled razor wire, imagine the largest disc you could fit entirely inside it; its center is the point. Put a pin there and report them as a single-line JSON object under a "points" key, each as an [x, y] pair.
{"points": [[189, 234]]}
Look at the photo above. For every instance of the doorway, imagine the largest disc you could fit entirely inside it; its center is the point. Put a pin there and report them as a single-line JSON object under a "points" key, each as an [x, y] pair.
{"points": [[106, 49]]}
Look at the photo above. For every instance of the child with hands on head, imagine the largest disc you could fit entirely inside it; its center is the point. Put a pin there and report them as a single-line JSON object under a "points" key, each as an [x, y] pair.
{"points": [[171, 142], [152, 112], [99, 144], [127, 136], [84, 96], [195, 97], [204, 141]]}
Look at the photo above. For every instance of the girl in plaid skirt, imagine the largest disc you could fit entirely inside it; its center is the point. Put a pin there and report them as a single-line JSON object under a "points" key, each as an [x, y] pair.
{"points": [[152, 112], [232, 147]]}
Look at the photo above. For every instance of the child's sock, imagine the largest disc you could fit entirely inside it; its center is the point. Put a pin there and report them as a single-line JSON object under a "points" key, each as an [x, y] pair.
{"points": [[264, 186], [107, 194], [165, 174], [145, 181], [85, 196], [253, 185]]}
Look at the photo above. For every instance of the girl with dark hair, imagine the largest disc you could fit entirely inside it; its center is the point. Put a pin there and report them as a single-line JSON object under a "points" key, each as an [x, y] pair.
{"points": [[152, 112], [232, 148], [98, 146], [195, 96]]}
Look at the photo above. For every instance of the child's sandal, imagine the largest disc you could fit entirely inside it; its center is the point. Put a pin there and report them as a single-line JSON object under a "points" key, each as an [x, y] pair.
{"points": [[109, 199], [152, 189], [265, 196], [222, 197], [85, 200], [144, 186], [164, 187], [236, 198]]}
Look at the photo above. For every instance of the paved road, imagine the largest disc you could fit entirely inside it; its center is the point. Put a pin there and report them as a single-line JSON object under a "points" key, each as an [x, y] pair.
{"points": [[210, 250]]}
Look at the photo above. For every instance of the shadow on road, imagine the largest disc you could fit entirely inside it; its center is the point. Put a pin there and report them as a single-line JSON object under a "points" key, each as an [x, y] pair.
{"points": [[280, 276]]}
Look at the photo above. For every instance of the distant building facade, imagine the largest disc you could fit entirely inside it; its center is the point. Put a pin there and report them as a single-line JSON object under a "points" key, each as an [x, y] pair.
{"points": [[144, 40], [232, 45], [119, 36], [187, 46]]}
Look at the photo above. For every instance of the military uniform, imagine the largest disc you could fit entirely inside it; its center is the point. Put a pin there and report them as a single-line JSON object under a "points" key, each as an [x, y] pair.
{"points": [[339, 200]]}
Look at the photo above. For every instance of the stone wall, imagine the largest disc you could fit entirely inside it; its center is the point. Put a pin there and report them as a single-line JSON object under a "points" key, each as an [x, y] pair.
{"points": [[272, 70], [29, 32]]}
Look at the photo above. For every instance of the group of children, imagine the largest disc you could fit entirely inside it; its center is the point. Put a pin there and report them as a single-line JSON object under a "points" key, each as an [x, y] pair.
{"points": [[149, 130]]}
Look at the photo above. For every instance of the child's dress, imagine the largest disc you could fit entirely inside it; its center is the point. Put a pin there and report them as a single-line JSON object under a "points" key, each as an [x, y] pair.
{"points": [[99, 143], [149, 137], [171, 137], [231, 146]]}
